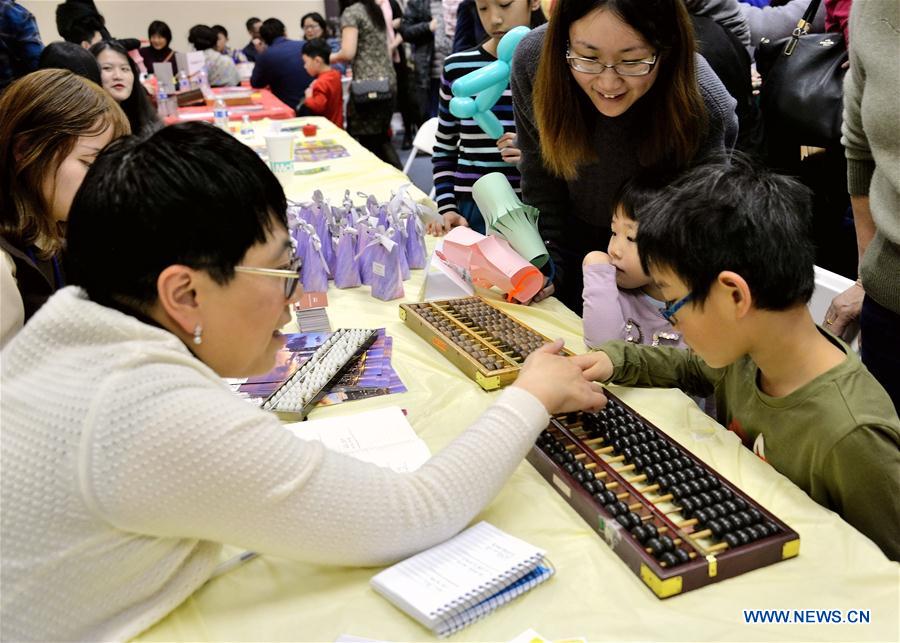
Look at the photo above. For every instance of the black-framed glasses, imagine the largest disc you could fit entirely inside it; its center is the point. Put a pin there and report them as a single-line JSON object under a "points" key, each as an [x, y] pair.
{"points": [[671, 308], [290, 275], [624, 68]]}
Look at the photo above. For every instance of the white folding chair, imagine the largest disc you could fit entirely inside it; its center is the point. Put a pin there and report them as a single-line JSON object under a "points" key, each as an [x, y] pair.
{"points": [[828, 286], [423, 142]]}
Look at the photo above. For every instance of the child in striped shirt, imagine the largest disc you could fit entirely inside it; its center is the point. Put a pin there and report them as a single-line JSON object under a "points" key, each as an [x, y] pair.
{"points": [[463, 153]]}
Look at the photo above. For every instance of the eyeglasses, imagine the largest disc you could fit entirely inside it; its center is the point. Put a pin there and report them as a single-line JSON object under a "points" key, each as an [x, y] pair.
{"points": [[290, 275], [625, 68], [669, 311]]}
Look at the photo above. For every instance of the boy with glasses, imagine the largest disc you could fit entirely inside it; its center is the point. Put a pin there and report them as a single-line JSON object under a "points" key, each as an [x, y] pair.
{"points": [[727, 244]]}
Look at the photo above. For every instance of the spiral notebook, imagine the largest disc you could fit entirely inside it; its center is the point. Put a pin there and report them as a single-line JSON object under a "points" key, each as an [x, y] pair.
{"points": [[455, 583]]}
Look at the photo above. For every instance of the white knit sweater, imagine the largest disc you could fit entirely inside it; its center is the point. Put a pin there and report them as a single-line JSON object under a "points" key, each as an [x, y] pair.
{"points": [[126, 461]]}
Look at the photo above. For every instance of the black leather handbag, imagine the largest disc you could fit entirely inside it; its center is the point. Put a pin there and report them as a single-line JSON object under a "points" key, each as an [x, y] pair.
{"points": [[803, 82], [368, 93]]}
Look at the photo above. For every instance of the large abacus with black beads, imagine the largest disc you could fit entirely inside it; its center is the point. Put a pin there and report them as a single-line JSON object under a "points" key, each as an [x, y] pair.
{"points": [[482, 341], [300, 393], [675, 522]]}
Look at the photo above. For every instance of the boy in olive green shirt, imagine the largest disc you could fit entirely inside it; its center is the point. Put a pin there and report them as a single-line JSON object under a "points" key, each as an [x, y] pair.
{"points": [[728, 246]]}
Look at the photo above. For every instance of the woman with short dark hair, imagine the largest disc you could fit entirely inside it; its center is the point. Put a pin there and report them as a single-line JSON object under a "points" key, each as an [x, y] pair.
{"points": [[128, 461], [606, 88], [158, 51]]}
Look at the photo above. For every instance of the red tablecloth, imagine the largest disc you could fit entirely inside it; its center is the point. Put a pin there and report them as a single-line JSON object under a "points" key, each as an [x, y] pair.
{"points": [[265, 105]]}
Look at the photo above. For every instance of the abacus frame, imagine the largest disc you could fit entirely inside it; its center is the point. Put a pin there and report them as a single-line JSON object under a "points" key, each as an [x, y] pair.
{"points": [[663, 581], [487, 379]]}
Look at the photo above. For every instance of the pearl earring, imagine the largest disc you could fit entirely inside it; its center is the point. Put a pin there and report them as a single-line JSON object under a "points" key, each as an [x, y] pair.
{"points": [[198, 334]]}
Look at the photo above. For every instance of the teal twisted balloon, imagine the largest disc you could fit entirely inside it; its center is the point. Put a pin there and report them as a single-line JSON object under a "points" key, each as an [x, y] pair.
{"points": [[477, 92]]}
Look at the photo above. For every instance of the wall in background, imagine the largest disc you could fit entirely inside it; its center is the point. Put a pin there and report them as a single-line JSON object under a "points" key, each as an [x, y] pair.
{"points": [[130, 18]]}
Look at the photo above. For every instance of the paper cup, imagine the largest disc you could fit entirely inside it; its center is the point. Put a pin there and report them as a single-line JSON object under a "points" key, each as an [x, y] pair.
{"points": [[281, 153]]}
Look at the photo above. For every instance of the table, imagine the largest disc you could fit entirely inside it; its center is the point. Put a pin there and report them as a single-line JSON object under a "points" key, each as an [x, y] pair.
{"points": [[265, 105], [592, 594]]}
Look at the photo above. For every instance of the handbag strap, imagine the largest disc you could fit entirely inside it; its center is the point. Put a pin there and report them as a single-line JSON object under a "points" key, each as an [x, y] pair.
{"points": [[802, 27]]}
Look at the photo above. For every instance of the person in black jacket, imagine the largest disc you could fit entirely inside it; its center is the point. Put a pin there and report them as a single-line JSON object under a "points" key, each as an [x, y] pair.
{"points": [[417, 28]]}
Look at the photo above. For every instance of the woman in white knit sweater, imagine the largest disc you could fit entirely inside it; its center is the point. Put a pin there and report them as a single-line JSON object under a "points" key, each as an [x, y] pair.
{"points": [[126, 460]]}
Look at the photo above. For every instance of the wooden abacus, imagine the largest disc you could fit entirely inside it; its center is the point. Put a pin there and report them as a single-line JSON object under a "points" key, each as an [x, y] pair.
{"points": [[673, 521], [482, 341]]}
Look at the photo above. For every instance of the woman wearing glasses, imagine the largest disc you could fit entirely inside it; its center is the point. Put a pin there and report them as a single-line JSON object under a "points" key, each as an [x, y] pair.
{"points": [[607, 88], [127, 460]]}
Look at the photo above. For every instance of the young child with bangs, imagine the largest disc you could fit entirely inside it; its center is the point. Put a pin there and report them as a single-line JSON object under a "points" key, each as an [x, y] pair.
{"points": [[620, 299]]}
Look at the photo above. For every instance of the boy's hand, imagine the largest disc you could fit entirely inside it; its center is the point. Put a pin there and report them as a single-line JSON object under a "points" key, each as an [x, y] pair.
{"points": [[433, 25], [308, 92], [508, 150], [559, 382], [595, 257], [450, 220], [596, 366]]}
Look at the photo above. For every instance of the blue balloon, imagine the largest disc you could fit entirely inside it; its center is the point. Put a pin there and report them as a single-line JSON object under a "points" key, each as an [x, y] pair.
{"points": [[486, 85]]}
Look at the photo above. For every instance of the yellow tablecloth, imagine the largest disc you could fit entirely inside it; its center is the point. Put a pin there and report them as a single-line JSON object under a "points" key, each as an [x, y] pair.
{"points": [[593, 595]]}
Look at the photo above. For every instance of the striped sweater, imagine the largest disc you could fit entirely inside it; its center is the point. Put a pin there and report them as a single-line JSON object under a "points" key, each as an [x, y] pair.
{"points": [[463, 153]]}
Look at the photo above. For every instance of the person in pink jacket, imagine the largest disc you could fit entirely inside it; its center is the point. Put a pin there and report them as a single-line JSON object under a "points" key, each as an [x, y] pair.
{"points": [[620, 301]]}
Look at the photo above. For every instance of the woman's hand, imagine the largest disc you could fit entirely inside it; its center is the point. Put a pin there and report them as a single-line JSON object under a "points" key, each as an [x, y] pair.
{"points": [[844, 309], [450, 220], [559, 382], [508, 150]]}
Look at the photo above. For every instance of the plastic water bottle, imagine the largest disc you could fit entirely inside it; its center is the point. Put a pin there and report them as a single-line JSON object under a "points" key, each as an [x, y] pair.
{"points": [[163, 105], [184, 82], [203, 82], [220, 114], [246, 127]]}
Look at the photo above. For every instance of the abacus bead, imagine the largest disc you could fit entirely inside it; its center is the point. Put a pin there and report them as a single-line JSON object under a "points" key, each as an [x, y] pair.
{"points": [[668, 559], [702, 516], [753, 533], [568, 466], [717, 495], [667, 543], [639, 463], [655, 546], [589, 486], [652, 532], [683, 556], [716, 527], [622, 507], [688, 505], [741, 503], [613, 509], [755, 516], [773, 528], [640, 533], [625, 520], [727, 524], [633, 519], [732, 540], [559, 458], [743, 536], [608, 497], [588, 475]]}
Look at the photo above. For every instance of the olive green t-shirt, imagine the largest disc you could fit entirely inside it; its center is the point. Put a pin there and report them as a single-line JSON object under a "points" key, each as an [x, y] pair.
{"points": [[837, 437]]}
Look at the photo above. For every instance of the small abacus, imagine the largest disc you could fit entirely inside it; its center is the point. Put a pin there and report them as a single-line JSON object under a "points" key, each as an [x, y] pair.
{"points": [[482, 341], [299, 394], [674, 521]]}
